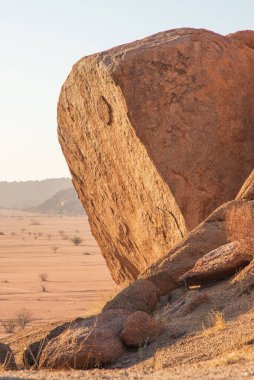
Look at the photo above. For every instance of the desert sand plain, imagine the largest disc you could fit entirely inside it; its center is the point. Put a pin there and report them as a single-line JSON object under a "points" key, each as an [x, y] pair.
{"points": [[77, 277]]}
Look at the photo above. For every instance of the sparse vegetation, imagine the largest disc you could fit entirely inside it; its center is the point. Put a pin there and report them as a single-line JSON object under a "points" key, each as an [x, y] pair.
{"points": [[54, 249], [9, 326], [1, 233], [76, 240], [23, 317], [216, 322], [35, 222], [43, 276], [43, 288]]}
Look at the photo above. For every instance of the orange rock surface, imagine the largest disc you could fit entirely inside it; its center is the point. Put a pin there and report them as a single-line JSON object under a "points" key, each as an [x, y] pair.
{"points": [[157, 134]]}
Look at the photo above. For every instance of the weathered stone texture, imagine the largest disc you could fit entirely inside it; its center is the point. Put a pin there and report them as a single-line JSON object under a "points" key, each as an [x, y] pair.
{"points": [[157, 134]]}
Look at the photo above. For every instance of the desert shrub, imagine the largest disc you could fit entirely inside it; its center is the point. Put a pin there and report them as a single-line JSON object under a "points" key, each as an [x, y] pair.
{"points": [[35, 222], [43, 289], [23, 317], [9, 326], [1, 233], [13, 233], [54, 249], [76, 240], [43, 276]]}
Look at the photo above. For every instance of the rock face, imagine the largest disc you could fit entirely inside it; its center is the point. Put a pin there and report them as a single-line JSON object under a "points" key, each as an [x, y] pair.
{"points": [[7, 360], [247, 190], [157, 134]]}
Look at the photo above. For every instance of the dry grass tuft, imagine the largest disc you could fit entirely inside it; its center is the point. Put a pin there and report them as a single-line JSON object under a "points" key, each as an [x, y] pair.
{"points": [[215, 322]]}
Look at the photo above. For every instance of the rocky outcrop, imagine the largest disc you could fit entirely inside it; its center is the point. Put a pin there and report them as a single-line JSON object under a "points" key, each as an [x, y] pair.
{"points": [[7, 360], [157, 134], [219, 264], [232, 221], [139, 329]]}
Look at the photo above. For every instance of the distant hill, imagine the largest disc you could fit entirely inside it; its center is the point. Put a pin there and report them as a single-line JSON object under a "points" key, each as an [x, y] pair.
{"points": [[65, 202], [27, 194]]}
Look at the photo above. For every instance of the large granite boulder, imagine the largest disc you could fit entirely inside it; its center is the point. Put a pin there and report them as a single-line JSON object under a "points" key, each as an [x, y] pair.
{"points": [[157, 134]]}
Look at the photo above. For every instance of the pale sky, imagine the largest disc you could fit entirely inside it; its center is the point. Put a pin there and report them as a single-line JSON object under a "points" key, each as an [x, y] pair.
{"points": [[42, 39]]}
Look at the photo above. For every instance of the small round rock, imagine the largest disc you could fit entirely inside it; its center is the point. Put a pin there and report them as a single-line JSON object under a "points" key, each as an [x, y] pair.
{"points": [[139, 329]]}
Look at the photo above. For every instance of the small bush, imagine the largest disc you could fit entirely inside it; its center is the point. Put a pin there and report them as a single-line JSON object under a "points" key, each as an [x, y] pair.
{"points": [[35, 222], [54, 249], [43, 276], [76, 240], [23, 318], [43, 289], [1, 233], [9, 326]]}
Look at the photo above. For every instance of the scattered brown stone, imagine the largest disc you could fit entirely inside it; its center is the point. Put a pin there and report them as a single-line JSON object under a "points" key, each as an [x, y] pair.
{"points": [[139, 296], [145, 131], [139, 329], [7, 360], [88, 343]]}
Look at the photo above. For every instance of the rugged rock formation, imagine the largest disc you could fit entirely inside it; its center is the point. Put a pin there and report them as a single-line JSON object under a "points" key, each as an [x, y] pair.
{"points": [[158, 133], [219, 264], [232, 221]]}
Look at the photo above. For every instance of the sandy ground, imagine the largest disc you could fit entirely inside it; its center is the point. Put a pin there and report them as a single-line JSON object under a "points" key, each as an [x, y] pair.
{"points": [[78, 278]]}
